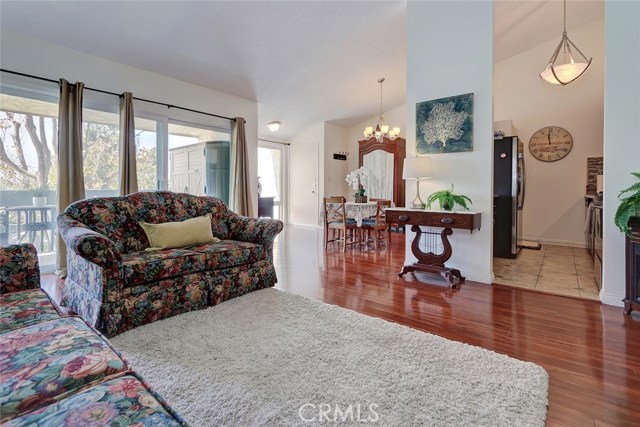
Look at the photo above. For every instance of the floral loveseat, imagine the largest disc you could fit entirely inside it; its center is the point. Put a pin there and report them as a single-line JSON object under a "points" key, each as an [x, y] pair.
{"points": [[115, 285], [57, 370]]}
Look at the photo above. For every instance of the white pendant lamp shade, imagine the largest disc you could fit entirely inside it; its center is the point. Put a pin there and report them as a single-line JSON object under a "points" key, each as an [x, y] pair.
{"points": [[561, 75], [564, 69]]}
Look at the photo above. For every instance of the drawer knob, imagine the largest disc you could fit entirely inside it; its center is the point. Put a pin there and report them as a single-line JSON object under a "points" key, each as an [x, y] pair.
{"points": [[446, 220], [403, 217]]}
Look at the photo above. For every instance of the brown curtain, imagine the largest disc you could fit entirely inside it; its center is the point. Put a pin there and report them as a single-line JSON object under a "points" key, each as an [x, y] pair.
{"points": [[240, 189], [128, 171], [70, 172]]}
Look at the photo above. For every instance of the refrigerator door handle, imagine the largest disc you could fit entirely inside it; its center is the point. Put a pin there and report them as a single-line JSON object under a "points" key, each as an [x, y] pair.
{"points": [[523, 187]]}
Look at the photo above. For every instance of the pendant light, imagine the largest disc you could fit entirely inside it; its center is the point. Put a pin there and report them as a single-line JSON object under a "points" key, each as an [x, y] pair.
{"points": [[568, 70], [382, 131]]}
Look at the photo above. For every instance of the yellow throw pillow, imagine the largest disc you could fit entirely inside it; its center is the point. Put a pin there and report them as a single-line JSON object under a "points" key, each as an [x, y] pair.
{"points": [[192, 231]]}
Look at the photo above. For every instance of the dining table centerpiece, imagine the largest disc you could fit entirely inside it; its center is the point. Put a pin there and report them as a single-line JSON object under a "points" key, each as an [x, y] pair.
{"points": [[355, 179]]}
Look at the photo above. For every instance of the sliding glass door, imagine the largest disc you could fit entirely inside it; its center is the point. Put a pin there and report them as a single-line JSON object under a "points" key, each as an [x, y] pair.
{"points": [[271, 175], [28, 173], [199, 160]]}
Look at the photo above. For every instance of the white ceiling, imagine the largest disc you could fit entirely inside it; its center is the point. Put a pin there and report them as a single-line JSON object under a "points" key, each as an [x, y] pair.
{"points": [[302, 61]]}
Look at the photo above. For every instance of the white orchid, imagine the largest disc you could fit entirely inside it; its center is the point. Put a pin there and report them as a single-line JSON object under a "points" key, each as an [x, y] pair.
{"points": [[356, 178]]}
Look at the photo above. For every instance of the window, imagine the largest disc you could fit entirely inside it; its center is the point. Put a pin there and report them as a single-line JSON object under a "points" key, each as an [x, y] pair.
{"points": [[100, 150], [147, 133], [199, 160], [28, 167]]}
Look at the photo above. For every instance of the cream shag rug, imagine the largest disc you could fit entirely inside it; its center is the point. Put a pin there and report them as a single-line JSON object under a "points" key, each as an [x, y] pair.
{"points": [[271, 358]]}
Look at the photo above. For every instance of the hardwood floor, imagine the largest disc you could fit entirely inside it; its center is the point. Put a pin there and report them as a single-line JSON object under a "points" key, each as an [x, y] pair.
{"points": [[591, 351]]}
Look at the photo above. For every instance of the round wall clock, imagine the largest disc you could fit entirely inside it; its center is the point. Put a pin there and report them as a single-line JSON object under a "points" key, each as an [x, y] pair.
{"points": [[550, 143]]}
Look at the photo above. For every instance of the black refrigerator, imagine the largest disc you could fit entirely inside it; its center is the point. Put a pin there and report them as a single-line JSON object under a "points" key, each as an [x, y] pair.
{"points": [[508, 196]]}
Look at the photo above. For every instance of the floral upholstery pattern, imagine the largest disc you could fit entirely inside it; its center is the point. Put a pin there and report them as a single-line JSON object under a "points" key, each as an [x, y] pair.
{"points": [[111, 217], [90, 245], [19, 268], [45, 362], [164, 206], [115, 285], [124, 401], [236, 281], [262, 230], [24, 308], [147, 303], [150, 266], [228, 253]]}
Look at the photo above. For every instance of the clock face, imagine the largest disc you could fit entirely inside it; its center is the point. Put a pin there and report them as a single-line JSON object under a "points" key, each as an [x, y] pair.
{"points": [[550, 143]]}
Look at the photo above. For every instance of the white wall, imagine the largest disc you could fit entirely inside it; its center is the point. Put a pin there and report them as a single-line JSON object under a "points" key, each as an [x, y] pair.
{"points": [[33, 56], [554, 207], [335, 171], [621, 130], [450, 52]]}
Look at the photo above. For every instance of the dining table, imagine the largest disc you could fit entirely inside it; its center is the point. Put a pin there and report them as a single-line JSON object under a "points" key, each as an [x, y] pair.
{"points": [[357, 211]]}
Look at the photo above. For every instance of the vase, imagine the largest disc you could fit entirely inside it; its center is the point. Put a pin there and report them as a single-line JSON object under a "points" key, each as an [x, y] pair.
{"points": [[361, 199]]}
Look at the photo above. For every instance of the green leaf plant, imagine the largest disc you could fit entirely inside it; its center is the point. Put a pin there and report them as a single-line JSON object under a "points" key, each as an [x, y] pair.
{"points": [[629, 205], [447, 199]]}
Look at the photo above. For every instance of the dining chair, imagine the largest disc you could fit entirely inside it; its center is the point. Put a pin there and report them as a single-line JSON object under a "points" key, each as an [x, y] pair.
{"points": [[377, 225], [335, 219]]}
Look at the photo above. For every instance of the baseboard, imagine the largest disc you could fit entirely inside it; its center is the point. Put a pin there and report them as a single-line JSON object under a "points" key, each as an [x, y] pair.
{"points": [[479, 277], [611, 299], [305, 226], [560, 242]]}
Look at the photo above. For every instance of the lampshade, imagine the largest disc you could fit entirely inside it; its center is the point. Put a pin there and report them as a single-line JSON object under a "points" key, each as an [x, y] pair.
{"points": [[417, 168], [566, 73], [273, 126], [564, 69]]}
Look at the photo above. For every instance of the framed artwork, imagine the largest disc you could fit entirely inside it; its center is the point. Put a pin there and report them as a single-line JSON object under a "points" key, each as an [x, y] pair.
{"points": [[445, 125]]}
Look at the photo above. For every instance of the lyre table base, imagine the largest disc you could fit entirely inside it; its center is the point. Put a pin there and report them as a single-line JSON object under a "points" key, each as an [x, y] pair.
{"points": [[430, 262]]}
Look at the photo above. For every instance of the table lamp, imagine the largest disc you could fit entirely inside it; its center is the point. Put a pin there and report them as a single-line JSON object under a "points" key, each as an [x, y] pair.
{"points": [[417, 168]]}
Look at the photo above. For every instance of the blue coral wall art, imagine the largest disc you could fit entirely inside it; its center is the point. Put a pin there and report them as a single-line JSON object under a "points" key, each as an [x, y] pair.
{"points": [[445, 125]]}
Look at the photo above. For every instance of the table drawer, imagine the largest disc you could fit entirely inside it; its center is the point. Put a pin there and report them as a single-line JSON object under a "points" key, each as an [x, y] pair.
{"points": [[435, 219], [449, 220]]}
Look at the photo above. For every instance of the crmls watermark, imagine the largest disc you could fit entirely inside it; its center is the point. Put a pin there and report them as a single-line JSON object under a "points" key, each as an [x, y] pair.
{"points": [[327, 412]]}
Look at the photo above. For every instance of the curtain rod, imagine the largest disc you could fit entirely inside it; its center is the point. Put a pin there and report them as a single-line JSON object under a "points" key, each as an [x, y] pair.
{"points": [[118, 95], [275, 142]]}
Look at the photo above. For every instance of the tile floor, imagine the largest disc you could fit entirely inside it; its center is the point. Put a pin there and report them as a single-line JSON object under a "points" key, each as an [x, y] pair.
{"points": [[561, 270]]}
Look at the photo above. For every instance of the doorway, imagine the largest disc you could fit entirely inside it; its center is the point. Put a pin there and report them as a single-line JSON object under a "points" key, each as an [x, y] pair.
{"points": [[272, 178]]}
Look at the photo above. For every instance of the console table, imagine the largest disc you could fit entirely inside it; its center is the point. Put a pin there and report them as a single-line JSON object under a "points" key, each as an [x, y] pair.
{"points": [[431, 262]]}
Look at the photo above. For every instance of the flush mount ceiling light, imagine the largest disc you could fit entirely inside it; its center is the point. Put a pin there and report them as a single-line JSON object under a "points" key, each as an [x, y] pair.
{"points": [[381, 131], [273, 126], [568, 70]]}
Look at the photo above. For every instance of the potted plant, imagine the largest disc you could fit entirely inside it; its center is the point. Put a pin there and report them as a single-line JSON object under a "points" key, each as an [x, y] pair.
{"points": [[355, 179], [447, 199], [629, 206], [39, 196]]}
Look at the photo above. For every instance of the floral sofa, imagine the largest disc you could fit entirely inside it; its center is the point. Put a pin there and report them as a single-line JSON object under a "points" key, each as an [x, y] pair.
{"points": [[57, 370], [115, 285]]}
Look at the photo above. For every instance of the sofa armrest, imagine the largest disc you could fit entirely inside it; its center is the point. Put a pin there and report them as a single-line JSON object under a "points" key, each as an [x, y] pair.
{"points": [[88, 244], [255, 230], [19, 268]]}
